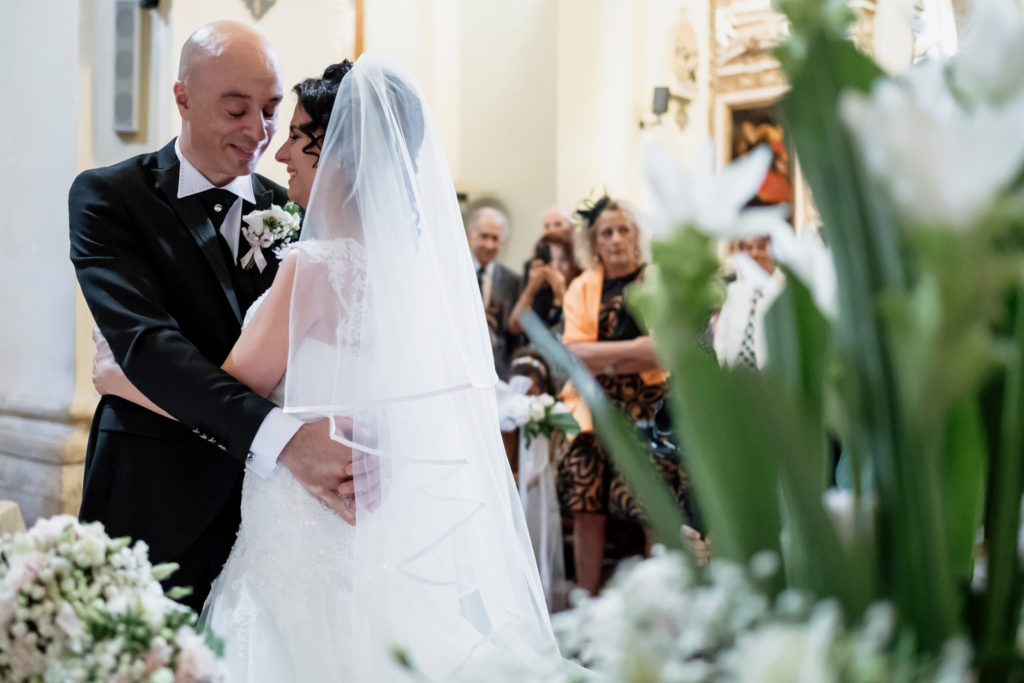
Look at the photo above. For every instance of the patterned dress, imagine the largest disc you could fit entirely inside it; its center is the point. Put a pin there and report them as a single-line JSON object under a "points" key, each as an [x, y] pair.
{"points": [[587, 481]]}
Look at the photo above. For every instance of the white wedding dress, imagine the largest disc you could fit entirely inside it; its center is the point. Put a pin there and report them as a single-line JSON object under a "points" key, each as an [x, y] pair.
{"points": [[282, 603], [388, 339]]}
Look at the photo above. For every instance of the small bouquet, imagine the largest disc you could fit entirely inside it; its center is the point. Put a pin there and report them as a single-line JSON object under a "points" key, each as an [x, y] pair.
{"points": [[271, 227], [538, 415], [76, 605]]}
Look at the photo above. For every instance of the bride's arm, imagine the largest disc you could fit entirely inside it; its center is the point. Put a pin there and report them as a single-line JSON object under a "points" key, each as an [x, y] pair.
{"points": [[260, 356], [258, 359]]}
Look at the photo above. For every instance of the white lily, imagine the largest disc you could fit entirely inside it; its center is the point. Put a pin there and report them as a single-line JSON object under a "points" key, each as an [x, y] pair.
{"points": [[711, 202], [990, 64], [942, 164], [810, 261]]}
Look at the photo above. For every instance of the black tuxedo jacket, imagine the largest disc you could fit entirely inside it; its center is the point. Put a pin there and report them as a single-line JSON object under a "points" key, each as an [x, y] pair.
{"points": [[164, 295]]}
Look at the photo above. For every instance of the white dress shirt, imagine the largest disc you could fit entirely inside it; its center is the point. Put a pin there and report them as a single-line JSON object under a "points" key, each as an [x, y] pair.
{"points": [[736, 311], [278, 428]]}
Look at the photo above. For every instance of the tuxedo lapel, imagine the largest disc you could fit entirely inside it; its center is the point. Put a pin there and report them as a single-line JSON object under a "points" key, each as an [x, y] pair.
{"points": [[191, 213], [264, 195]]}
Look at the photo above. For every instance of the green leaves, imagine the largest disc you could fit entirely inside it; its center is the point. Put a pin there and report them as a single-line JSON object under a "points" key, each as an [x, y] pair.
{"points": [[553, 421]]}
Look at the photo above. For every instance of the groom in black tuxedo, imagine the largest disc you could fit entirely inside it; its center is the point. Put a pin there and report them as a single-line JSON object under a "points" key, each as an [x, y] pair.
{"points": [[155, 241]]}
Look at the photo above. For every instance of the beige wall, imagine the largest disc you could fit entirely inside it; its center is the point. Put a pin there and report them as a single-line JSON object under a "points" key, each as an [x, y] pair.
{"points": [[612, 54], [540, 102]]}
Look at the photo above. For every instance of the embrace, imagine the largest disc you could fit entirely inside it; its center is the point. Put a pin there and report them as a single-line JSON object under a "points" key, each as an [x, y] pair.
{"points": [[308, 429]]}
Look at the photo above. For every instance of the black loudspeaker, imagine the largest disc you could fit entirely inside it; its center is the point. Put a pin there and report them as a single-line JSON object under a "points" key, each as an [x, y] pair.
{"points": [[660, 104], [127, 45]]}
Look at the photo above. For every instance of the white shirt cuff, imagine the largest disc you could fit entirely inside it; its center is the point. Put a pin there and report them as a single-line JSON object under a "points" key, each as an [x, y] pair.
{"points": [[271, 438]]}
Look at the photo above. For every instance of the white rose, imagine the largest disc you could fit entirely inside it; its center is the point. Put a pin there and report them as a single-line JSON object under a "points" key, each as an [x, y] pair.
{"points": [[519, 409], [546, 400], [283, 217], [254, 221], [561, 408], [537, 411]]}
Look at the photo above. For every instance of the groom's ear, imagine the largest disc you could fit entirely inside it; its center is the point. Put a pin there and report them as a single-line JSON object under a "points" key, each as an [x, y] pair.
{"points": [[181, 98]]}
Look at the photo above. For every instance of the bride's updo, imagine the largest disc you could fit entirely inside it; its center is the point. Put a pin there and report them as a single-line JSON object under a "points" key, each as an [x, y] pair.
{"points": [[316, 96]]}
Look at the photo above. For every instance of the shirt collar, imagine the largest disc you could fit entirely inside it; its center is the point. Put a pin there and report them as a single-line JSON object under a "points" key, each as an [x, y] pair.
{"points": [[191, 181], [489, 268]]}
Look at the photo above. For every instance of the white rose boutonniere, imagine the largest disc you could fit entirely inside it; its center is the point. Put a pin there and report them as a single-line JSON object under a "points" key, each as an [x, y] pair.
{"points": [[268, 228]]}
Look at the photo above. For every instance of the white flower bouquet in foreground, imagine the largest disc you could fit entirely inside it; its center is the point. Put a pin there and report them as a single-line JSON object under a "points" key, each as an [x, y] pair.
{"points": [[76, 605], [662, 620], [539, 415]]}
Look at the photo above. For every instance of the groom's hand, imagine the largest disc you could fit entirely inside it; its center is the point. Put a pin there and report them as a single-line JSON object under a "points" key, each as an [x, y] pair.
{"points": [[322, 465]]}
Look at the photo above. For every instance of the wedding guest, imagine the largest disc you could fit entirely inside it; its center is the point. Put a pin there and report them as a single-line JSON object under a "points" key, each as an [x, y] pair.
{"points": [[487, 230], [528, 362], [535, 476], [739, 339], [551, 269], [556, 222], [607, 339]]}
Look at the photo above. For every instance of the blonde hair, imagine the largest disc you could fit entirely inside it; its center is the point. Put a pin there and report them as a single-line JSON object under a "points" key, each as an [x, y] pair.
{"points": [[586, 219]]}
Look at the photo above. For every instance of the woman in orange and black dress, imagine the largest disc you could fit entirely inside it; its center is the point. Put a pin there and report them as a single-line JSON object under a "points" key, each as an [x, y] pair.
{"points": [[606, 338]]}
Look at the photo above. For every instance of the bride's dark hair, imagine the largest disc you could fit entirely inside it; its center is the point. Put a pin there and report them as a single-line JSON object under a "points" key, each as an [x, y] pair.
{"points": [[316, 96]]}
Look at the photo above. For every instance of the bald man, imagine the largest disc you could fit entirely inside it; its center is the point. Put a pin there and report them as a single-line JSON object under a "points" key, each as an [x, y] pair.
{"points": [[155, 245], [555, 221]]}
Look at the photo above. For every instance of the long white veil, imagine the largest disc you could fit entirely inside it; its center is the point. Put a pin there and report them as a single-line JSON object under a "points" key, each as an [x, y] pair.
{"points": [[445, 569]]}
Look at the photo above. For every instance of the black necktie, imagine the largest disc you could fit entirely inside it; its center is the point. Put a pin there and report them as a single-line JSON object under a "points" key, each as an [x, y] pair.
{"points": [[480, 278], [217, 202], [747, 357]]}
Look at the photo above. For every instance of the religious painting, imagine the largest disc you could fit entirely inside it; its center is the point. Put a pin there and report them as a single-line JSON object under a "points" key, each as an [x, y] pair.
{"points": [[760, 126]]}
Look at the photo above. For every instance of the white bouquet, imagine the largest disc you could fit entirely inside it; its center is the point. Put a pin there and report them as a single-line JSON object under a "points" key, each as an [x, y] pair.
{"points": [[537, 415], [76, 605]]}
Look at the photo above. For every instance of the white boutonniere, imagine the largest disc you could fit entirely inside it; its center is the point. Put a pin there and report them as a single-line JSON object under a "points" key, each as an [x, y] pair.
{"points": [[271, 227]]}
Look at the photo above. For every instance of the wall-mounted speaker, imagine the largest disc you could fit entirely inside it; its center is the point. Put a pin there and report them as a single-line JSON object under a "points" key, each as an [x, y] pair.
{"points": [[659, 104], [127, 48]]}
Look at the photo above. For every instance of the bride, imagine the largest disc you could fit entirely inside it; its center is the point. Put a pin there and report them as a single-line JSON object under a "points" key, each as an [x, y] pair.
{"points": [[374, 321]]}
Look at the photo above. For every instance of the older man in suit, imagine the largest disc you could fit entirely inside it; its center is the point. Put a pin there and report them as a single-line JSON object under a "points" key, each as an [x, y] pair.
{"points": [[500, 287]]}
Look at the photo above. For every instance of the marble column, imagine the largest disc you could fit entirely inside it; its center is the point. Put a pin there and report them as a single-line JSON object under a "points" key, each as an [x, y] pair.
{"points": [[43, 429]]}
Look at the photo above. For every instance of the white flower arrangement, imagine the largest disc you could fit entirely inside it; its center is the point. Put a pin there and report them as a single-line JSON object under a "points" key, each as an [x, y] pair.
{"points": [[273, 227], [76, 605], [661, 619]]}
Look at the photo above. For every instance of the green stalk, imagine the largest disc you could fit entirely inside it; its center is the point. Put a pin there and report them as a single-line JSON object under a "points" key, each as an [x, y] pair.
{"points": [[1000, 607], [865, 241]]}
